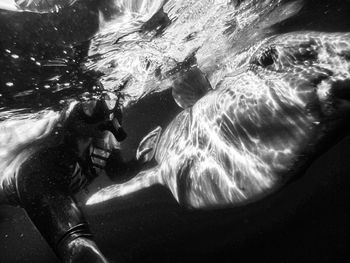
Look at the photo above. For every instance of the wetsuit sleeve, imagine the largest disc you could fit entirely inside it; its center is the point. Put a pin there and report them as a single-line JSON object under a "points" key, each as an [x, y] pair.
{"points": [[43, 191]]}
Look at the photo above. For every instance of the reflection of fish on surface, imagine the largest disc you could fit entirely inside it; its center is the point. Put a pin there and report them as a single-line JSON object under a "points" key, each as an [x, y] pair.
{"points": [[256, 129]]}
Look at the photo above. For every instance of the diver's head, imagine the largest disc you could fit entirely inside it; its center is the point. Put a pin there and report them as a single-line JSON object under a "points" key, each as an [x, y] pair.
{"points": [[91, 119]]}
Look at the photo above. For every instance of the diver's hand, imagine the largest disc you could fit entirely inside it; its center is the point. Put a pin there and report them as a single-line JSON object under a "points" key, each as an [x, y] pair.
{"points": [[99, 158], [101, 150]]}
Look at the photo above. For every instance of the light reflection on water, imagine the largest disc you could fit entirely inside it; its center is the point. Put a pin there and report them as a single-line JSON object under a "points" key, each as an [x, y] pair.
{"points": [[124, 50]]}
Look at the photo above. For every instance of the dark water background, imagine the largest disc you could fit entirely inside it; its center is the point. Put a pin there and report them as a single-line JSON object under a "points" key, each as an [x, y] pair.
{"points": [[308, 221]]}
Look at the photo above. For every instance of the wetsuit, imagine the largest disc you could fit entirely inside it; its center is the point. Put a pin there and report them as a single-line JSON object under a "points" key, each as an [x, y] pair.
{"points": [[45, 183]]}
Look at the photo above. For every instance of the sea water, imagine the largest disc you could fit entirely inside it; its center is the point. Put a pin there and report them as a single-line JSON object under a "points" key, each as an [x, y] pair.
{"points": [[50, 58]]}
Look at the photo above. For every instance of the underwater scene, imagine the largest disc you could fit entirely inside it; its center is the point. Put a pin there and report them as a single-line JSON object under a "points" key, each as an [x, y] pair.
{"points": [[174, 130]]}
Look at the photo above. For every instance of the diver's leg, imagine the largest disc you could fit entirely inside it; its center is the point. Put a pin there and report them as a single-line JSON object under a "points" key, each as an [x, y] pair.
{"points": [[60, 221]]}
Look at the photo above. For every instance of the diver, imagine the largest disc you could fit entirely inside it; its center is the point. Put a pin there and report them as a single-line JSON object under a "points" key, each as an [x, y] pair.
{"points": [[63, 164]]}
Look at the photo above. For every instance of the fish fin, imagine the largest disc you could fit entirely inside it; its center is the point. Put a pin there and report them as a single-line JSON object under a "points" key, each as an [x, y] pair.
{"points": [[143, 179], [148, 146], [190, 87]]}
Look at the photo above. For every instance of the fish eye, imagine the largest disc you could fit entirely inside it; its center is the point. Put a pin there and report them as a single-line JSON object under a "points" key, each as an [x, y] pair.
{"points": [[267, 58]]}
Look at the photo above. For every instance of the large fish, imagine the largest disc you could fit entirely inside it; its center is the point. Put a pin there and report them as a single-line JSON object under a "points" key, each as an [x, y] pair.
{"points": [[256, 129]]}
